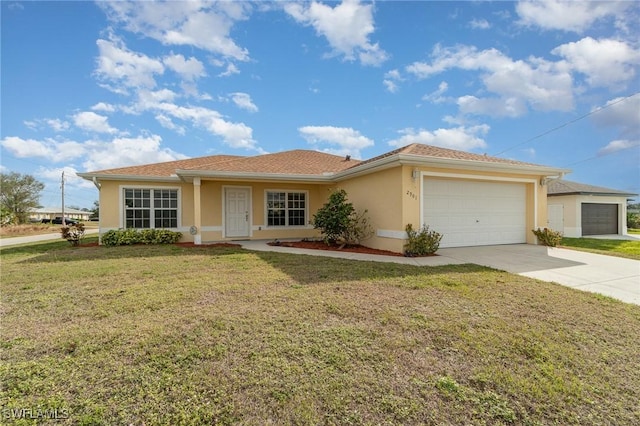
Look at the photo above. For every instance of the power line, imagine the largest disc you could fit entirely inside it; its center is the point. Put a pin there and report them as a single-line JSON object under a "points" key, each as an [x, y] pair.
{"points": [[567, 123], [602, 155]]}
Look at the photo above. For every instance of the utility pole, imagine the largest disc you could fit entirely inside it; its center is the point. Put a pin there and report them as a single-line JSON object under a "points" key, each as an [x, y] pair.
{"points": [[62, 188]]}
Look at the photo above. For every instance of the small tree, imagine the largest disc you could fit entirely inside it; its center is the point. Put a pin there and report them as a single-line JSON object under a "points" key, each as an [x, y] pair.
{"points": [[333, 218], [339, 221], [18, 194]]}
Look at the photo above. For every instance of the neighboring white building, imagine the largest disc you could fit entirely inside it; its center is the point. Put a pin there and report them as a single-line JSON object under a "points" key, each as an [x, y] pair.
{"points": [[579, 210], [53, 212]]}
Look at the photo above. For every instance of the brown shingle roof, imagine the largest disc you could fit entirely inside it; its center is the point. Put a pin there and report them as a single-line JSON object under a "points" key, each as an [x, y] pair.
{"points": [[295, 162], [566, 187], [168, 168], [437, 152]]}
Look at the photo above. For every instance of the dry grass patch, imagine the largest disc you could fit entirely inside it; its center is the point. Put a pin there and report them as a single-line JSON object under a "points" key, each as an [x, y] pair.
{"points": [[175, 335]]}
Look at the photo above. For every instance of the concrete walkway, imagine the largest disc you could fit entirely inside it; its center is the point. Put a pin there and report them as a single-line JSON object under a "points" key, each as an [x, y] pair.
{"points": [[608, 275], [14, 241]]}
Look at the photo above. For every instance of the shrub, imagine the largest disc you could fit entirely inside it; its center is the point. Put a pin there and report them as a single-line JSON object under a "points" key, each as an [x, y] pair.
{"points": [[421, 243], [633, 220], [548, 237], [122, 237], [332, 219], [339, 222], [73, 233]]}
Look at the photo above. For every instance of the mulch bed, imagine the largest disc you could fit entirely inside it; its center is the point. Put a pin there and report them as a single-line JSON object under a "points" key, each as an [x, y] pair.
{"points": [[320, 245], [207, 245]]}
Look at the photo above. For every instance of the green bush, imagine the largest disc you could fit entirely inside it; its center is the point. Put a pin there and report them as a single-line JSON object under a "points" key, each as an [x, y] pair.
{"points": [[123, 237], [633, 220], [73, 233], [421, 243], [548, 237], [340, 223]]}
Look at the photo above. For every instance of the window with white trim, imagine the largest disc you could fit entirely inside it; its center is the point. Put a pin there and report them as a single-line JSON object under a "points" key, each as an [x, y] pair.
{"points": [[150, 208], [286, 208]]}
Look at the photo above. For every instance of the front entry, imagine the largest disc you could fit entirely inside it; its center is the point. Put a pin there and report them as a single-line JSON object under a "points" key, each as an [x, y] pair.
{"points": [[237, 208]]}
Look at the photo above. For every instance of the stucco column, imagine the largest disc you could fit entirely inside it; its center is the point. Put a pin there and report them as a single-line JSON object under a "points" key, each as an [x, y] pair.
{"points": [[197, 217]]}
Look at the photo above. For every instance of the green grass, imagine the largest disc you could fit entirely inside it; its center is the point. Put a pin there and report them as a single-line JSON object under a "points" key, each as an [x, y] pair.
{"points": [[190, 336], [633, 231], [620, 248]]}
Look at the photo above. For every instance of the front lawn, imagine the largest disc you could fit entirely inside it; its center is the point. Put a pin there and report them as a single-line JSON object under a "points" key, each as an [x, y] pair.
{"points": [[182, 335], [620, 248]]}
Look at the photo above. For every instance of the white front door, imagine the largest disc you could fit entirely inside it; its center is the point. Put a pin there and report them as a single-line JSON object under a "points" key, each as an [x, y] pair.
{"points": [[237, 202], [555, 214]]}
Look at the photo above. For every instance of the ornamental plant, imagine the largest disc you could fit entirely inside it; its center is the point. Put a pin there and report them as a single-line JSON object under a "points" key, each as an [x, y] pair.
{"points": [[421, 243], [73, 233], [548, 237], [340, 223], [123, 237]]}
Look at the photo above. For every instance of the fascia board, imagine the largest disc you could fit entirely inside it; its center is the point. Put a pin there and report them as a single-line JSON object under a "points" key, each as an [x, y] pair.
{"points": [[135, 178]]}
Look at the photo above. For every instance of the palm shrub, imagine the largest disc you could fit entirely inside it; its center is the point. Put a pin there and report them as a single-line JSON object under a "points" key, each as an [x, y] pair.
{"points": [[548, 237], [421, 243]]}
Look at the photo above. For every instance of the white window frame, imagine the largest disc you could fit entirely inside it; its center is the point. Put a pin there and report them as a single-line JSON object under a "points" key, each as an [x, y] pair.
{"points": [[123, 216], [286, 192]]}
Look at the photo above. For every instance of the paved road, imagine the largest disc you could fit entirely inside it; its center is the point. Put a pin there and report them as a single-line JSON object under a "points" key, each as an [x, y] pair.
{"points": [[14, 241]]}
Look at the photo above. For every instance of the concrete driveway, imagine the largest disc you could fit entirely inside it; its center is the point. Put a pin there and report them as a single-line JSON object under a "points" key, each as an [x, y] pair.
{"points": [[612, 276]]}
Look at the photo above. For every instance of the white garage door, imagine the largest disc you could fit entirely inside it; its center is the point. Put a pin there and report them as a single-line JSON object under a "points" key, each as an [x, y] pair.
{"points": [[475, 213]]}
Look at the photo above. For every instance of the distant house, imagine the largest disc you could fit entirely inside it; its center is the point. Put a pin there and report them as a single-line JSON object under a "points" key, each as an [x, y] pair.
{"points": [[577, 209], [471, 199], [52, 212]]}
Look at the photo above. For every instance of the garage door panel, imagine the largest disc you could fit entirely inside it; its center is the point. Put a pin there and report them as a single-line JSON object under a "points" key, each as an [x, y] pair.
{"points": [[472, 213], [599, 219]]}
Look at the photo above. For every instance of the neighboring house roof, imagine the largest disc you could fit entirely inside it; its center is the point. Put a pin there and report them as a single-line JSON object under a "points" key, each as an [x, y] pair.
{"points": [[57, 210], [308, 165], [565, 187]]}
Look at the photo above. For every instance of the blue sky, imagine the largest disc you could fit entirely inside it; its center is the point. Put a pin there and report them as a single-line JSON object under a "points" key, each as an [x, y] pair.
{"points": [[88, 86]]}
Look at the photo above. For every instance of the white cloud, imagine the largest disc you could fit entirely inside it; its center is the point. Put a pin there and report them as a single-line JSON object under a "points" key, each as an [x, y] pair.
{"points": [[347, 28], [436, 95], [118, 65], [231, 70], [70, 178], [236, 135], [205, 25], [48, 148], [618, 145], [103, 107], [576, 16], [92, 122], [347, 140], [495, 107], [189, 69], [606, 62], [57, 125], [460, 138], [479, 24], [121, 152], [620, 112], [543, 85], [167, 123], [243, 101], [391, 79]]}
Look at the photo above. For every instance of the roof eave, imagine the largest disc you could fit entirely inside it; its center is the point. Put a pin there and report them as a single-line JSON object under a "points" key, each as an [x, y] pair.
{"points": [[601, 194], [136, 178], [419, 160]]}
